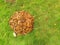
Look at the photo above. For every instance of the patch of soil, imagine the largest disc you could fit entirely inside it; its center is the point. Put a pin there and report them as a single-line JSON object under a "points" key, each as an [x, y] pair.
{"points": [[21, 22], [10, 1]]}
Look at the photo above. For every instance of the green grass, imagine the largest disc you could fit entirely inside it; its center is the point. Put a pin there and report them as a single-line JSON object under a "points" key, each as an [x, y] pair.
{"points": [[46, 22]]}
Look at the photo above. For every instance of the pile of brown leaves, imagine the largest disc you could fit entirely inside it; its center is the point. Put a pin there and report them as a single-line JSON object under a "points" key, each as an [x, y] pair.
{"points": [[21, 22]]}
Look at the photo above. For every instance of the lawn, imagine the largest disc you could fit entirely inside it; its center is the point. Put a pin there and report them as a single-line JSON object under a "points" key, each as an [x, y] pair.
{"points": [[46, 29]]}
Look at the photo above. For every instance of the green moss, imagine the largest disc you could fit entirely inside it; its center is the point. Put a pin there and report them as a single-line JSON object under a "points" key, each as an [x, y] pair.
{"points": [[46, 22]]}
